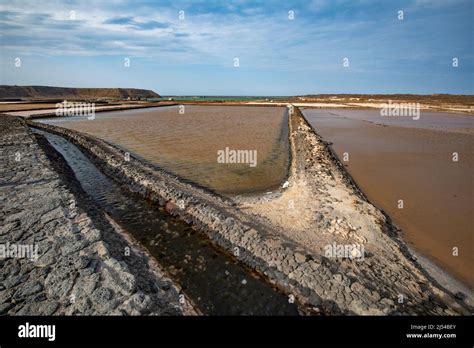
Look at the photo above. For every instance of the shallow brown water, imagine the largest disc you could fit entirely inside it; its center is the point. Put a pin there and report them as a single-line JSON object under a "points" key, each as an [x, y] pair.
{"points": [[414, 164], [187, 144]]}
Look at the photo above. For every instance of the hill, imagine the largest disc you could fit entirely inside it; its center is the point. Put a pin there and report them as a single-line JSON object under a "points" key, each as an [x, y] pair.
{"points": [[46, 92]]}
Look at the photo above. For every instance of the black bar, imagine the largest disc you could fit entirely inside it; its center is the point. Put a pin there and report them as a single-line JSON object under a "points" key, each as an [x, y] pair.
{"points": [[241, 330]]}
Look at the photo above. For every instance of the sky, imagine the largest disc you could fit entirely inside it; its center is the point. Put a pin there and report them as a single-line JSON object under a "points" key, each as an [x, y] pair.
{"points": [[241, 47]]}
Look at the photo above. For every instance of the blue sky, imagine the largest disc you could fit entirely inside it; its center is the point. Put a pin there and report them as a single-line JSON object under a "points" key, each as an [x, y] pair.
{"points": [[277, 56]]}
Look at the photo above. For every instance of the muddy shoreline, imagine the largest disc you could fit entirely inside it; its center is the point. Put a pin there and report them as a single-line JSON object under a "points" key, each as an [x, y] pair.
{"points": [[392, 161], [431, 270]]}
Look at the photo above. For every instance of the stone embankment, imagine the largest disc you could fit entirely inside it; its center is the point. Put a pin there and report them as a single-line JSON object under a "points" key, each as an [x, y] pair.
{"points": [[284, 241], [322, 208], [58, 253]]}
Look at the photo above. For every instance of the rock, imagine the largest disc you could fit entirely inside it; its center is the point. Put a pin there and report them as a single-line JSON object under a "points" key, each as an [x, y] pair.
{"points": [[387, 302], [15, 280], [41, 308], [82, 262], [5, 307], [300, 258], [47, 259], [170, 207], [101, 296], [59, 282], [85, 286], [93, 235], [136, 304], [117, 278], [358, 307], [28, 289], [101, 249], [74, 247], [375, 296], [357, 287], [319, 216]]}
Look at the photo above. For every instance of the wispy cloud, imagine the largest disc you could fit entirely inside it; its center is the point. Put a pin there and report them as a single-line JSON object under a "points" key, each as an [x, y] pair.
{"points": [[260, 33], [131, 23]]}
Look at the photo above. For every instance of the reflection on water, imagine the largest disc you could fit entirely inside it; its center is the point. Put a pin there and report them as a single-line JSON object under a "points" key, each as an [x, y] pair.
{"points": [[213, 280], [413, 164], [186, 140]]}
